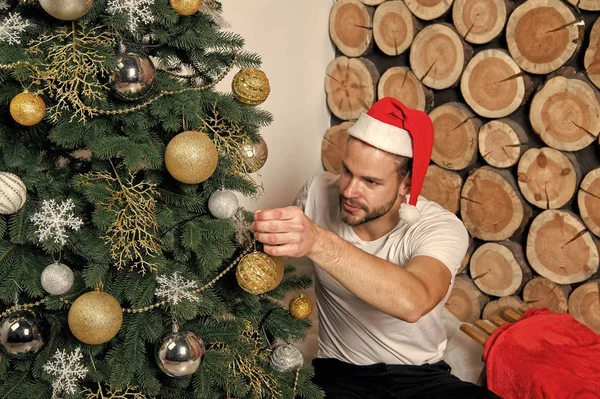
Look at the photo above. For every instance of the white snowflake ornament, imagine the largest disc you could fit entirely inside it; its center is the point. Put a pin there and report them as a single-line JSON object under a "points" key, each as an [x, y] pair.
{"points": [[67, 369], [54, 219], [12, 27], [138, 12], [176, 288]]}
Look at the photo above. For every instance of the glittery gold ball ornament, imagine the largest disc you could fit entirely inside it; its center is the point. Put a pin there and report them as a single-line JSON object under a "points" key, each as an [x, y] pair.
{"points": [[95, 317], [13, 193], [301, 307], [258, 272], [251, 86], [67, 10], [27, 108], [191, 157], [255, 155], [185, 7]]}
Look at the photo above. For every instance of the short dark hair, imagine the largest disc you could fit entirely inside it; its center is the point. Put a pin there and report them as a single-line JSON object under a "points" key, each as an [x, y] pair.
{"points": [[403, 167]]}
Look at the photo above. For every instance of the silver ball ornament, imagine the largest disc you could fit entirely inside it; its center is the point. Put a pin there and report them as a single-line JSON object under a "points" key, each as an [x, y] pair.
{"points": [[286, 357], [22, 334], [57, 278], [67, 10], [223, 204], [180, 353], [13, 193], [133, 75]]}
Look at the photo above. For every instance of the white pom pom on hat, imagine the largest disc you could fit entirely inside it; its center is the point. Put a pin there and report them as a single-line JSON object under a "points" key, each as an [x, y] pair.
{"points": [[393, 127]]}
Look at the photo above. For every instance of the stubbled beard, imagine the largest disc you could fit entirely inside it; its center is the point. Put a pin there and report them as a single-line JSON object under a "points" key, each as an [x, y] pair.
{"points": [[370, 214]]}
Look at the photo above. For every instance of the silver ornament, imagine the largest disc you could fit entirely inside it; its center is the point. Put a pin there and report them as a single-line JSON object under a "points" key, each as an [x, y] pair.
{"points": [[7, 5], [22, 334], [180, 353], [255, 155], [57, 278], [286, 357], [13, 193], [132, 76], [223, 204], [67, 10]]}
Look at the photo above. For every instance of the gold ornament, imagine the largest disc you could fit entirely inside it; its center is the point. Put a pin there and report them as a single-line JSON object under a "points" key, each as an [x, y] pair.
{"points": [[301, 307], [67, 10], [251, 86], [255, 155], [27, 108], [95, 317], [191, 157], [185, 7], [258, 272]]}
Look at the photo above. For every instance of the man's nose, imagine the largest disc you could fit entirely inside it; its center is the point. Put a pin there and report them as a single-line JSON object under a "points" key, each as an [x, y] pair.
{"points": [[351, 190]]}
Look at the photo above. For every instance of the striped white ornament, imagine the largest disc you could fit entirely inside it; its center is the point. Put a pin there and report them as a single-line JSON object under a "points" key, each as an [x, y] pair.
{"points": [[12, 193]]}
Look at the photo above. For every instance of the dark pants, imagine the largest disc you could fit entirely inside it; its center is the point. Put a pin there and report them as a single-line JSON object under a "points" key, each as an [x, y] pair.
{"points": [[342, 380]]}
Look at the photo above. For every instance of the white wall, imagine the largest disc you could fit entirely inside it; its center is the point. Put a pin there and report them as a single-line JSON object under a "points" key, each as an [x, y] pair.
{"points": [[293, 40]]}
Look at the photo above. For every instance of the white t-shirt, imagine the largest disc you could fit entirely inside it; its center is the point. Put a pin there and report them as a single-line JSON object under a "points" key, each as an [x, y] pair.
{"points": [[350, 329]]}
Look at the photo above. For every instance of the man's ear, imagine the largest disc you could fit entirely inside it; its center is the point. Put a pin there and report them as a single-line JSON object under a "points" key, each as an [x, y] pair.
{"points": [[405, 185]]}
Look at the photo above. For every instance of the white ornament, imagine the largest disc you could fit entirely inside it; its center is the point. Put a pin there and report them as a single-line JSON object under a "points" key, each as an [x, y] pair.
{"points": [[12, 27], [243, 230], [223, 204], [286, 357], [52, 221], [138, 12], [57, 279], [176, 288], [67, 369], [12, 193]]}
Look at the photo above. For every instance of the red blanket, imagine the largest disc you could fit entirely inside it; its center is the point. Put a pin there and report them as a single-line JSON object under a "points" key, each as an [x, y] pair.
{"points": [[544, 355]]}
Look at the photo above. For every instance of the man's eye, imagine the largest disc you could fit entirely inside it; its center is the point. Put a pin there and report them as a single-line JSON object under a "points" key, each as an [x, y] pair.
{"points": [[372, 183]]}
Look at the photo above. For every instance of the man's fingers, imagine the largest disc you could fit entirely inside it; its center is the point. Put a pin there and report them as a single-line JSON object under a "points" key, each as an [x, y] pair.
{"points": [[290, 250], [276, 239], [277, 213], [276, 226]]}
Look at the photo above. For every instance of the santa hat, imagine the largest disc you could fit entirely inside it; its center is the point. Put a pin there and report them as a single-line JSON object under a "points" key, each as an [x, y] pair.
{"points": [[391, 126]]}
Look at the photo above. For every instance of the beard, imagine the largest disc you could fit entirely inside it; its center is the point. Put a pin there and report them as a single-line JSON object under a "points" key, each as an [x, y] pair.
{"points": [[370, 213]]}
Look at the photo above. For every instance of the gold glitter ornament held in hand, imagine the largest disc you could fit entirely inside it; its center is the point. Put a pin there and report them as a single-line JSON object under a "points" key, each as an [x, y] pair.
{"points": [[251, 86], [27, 108], [185, 7], [67, 10], [95, 317], [258, 272], [191, 157], [255, 155], [301, 307]]}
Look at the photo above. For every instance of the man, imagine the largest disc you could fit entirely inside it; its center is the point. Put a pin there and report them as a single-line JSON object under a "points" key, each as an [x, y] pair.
{"points": [[384, 267]]}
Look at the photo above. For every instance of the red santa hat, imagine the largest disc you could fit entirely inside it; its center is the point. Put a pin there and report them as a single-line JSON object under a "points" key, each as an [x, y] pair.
{"points": [[391, 126]]}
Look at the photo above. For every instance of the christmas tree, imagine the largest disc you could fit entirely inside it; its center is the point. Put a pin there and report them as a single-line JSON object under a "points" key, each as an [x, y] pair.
{"points": [[128, 270]]}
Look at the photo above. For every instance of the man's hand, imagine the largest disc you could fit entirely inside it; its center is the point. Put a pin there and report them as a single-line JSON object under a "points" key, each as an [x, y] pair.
{"points": [[285, 232]]}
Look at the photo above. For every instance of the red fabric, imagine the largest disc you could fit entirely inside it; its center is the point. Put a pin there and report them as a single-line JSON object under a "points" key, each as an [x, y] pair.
{"points": [[418, 124], [544, 355]]}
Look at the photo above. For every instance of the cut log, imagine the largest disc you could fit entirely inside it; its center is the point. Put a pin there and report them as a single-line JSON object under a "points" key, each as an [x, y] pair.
{"points": [[564, 113], [495, 308], [501, 142], [560, 248], [350, 86], [588, 200], [394, 27], [591, 61], [438, 56], [351, 27], [467, 257], [372, 2], [491, 207], [402, 84], [543, 35], [588, 5], [429, 9], [584, 304], [543, 293], [480, 21], [466, 301], [494, 85], [333, 147], [548, 178], [455, 138], [499, 269], [443, 187]]}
